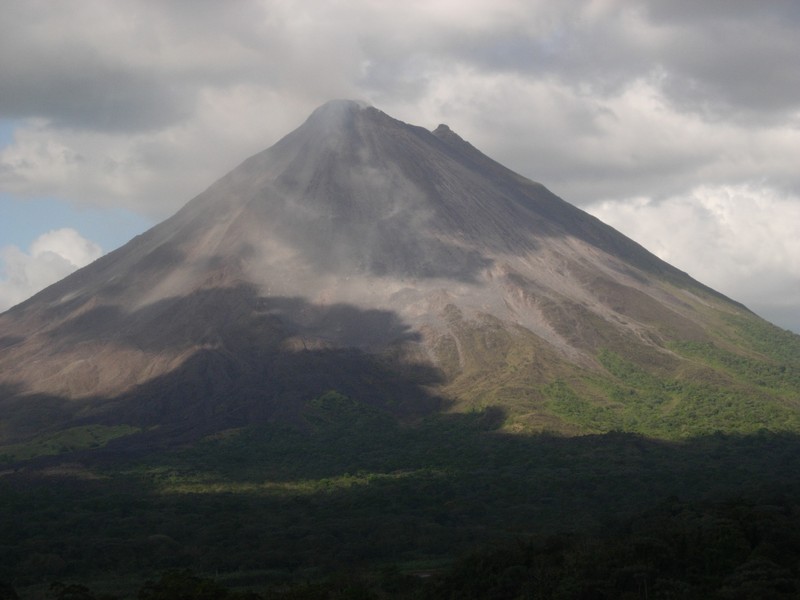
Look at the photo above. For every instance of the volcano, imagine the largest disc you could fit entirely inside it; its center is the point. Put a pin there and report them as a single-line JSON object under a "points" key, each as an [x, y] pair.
{"points": [[401, 268]]}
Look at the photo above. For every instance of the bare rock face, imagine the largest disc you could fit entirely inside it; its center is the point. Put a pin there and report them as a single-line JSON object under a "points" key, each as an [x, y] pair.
{"points": [[361, 254]]}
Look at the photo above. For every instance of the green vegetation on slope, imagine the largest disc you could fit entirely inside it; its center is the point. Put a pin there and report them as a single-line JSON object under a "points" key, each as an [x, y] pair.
{"points": [[743, 379], [698, 401], [778, 344], [69, 440]]}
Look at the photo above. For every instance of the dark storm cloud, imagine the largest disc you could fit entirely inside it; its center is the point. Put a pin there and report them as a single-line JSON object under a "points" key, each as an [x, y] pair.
{"points": [[734, 58], [721, 59], [125, 66], [52, 71], [131, 65], [97, 97]]}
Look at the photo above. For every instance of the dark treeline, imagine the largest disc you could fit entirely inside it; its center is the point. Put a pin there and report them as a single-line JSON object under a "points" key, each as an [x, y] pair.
{"points": [[282, 510], [736, 550]]}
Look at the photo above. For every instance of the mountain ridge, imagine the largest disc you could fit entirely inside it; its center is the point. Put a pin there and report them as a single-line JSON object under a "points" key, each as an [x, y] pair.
{"points": [[372, 251]]}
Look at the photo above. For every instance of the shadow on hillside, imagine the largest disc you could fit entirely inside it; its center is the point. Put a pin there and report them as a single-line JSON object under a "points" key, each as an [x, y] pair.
{"points": [[355, 487], [214, 390], [211, 392], [25, 415], [234, 318], [253, 360], [7, 341]]}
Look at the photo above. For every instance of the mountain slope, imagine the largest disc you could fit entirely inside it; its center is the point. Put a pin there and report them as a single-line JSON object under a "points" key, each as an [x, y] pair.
{"points": [[395, 265]]}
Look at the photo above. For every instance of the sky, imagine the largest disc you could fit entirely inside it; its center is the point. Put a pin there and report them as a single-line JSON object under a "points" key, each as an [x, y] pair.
{"points": [[675, 121]]}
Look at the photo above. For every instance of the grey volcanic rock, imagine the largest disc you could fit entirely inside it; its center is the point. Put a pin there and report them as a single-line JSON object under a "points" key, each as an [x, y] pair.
{"points": [[359, 253]]}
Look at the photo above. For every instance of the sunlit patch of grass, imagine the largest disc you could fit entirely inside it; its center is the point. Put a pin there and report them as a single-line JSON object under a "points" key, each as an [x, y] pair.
{"points": [[174, 483]]}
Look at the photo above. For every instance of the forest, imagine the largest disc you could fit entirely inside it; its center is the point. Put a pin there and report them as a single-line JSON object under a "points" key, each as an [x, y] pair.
{"points": [[356, 504]]}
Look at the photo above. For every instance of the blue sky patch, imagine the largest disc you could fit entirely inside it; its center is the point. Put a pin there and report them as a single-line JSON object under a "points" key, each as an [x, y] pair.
{"points": [[22, 221], [7, 128]]}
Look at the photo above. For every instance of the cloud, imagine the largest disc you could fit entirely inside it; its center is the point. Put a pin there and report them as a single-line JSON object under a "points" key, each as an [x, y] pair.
{"points": [[69, 64], [719, 64], [594, 99], [140, 104], [51, 257]]}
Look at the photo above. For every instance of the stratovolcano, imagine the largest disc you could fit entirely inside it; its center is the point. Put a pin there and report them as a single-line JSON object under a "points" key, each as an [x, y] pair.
{"points": [[394, 265]]}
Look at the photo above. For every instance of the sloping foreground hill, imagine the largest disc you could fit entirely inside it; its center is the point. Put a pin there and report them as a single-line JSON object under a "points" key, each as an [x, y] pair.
{"points": [[744, 380]]}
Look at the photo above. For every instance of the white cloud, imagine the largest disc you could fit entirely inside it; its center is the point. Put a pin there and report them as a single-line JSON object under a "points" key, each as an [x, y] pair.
{"points": [[595, 99], [51, 257], [741, 240], [588, 147]]}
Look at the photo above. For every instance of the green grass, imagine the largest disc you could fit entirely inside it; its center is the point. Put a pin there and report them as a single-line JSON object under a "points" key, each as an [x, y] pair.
{"points": [[723, 392], [766, 373], [742, 377], [63, 442], [574, 408], [780, 345]]}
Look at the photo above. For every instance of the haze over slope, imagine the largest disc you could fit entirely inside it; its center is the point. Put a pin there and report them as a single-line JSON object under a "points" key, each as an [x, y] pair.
{"points": [[361, 254]]}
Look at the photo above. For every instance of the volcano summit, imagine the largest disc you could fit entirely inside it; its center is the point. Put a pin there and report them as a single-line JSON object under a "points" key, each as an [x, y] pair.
{"points": [[398, 266]]}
